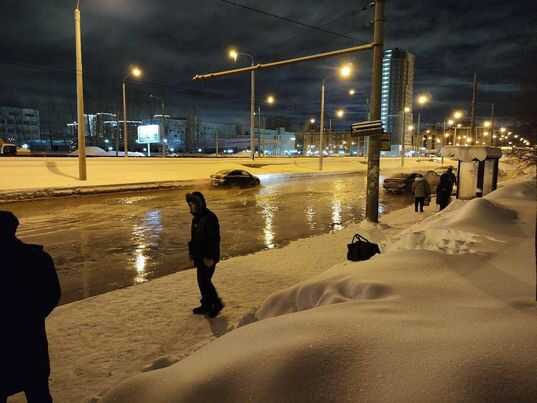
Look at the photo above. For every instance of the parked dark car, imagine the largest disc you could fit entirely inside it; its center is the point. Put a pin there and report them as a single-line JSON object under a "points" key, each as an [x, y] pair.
{"points": [[235, 177], [402, 182]]}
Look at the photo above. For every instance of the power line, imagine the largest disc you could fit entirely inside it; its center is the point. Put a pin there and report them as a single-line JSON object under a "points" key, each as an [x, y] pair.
{"points": [[289, 20]]}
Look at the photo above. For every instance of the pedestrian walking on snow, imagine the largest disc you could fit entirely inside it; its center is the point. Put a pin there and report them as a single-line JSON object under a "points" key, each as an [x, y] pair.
{"points": [[29, 291], [421, 191], [204, 250]]}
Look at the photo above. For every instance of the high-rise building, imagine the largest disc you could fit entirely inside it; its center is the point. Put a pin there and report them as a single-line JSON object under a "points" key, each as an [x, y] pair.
{"points": [[19, 125], [397, 94]]}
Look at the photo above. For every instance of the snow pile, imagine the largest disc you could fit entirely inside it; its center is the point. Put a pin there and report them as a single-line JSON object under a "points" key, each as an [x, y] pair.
{"points": [[415, 324]]}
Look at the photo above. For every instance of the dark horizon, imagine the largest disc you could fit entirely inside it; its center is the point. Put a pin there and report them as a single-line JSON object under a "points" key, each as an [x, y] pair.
{"points": [[172, 41]]}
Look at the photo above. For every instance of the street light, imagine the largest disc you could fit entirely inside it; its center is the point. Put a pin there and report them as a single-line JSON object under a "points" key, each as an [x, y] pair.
{"points": [[82, 172], [422, 100], [312, 121], [270, 100], [135, 72], [345, 71], [234, 54], [340, 113], [352, 92]]}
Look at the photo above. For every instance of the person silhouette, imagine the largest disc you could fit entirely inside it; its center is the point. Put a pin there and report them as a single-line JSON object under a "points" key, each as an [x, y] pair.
{"points": [[29, 291]]}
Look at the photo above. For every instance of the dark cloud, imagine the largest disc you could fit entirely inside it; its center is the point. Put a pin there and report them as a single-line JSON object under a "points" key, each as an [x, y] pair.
{"points": [[174, 40]]}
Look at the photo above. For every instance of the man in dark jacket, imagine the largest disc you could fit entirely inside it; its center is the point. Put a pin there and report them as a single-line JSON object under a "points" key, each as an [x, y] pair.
{"points": [[29, 291], [204, 250], [445, 188]]}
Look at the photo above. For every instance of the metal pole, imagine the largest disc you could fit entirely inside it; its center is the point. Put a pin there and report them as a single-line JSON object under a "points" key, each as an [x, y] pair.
{"points": [[373, 163], [443, 144], [474, 101], [259, 128], [82, 173], [117, 135], [125, 134], [163, 125], [418, 135], [492, 125], [252, 111], [321, 131], [455, 135], [403, 139], [285, 62]]}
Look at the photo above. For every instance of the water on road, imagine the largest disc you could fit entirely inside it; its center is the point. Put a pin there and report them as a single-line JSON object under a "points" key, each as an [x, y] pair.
{"points": [[106, 242]]}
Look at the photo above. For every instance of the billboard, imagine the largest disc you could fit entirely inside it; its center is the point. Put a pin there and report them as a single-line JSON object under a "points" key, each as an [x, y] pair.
{"points": [[148, 134]]}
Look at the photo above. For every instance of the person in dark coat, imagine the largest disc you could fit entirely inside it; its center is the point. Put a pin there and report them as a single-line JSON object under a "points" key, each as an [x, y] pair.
{"points": [[445, 188], [29, 291], [204, 250]]}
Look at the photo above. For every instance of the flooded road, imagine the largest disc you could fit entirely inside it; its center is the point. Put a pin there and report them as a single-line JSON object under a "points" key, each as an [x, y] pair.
{"points": [[106, 242]]}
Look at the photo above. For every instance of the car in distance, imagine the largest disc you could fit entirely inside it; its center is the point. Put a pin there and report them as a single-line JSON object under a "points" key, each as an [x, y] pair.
{"points": [[234, 177], [402, 182]]}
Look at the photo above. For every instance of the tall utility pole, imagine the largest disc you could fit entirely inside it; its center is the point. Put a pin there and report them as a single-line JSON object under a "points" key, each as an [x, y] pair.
{"points": [[474, 102], [321, 130], [82, 175], [492, 125], [125, 134], [252, 111], [373, 163]]}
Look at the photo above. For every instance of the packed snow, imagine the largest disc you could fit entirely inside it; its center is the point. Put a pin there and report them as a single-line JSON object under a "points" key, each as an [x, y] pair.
{"points": [[33, 174], [447, 313]]}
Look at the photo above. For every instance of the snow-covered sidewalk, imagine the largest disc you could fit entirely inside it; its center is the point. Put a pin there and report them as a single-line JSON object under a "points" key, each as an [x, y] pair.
{"points": [[446, 314], [98, 342]]}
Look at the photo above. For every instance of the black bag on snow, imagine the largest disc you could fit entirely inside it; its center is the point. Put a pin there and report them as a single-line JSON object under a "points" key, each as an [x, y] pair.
{"points": [[361, 249]]}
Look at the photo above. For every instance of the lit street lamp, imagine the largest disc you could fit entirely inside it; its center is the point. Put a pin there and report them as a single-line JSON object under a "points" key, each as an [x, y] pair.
{"points": [[270, 100], [134, 72], [345, 72], [422, 100], [234, 54]]}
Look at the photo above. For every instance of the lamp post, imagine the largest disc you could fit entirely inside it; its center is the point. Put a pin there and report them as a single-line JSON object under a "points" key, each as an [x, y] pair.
{"points": [[422, 100], [270, 100], [345, 71], [234, 55], [456, 116], [82, 172], [135, 72], [406, 110]]}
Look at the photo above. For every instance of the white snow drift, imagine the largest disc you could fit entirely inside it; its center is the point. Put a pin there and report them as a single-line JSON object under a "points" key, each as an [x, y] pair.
{"points": [[446, 314]]}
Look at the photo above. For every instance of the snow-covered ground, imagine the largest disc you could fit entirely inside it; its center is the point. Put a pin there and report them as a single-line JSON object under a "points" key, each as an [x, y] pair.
{"points": [[98, 342], [446, 313], [32, 174]]}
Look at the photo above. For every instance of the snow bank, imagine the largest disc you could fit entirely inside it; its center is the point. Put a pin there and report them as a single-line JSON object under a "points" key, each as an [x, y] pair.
{"points": [[415, 324]]}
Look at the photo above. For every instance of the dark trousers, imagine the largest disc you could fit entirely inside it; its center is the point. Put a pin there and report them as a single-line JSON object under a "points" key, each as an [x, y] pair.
{"points": [[209, 295], [419, 202], [37, 392]]}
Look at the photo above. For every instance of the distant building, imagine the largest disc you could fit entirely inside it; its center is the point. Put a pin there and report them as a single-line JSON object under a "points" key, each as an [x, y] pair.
{"points": [[19, 125], [334, 143], [104, 130], [397, 94], [274, 141], [173, 131]]}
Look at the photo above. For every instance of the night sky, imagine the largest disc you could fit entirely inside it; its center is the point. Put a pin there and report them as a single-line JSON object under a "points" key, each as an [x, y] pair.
{"points": [[174, 40]]}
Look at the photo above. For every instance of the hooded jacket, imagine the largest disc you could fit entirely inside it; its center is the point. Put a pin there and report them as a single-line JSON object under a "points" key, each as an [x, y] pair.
{"points": [[205, 231]]}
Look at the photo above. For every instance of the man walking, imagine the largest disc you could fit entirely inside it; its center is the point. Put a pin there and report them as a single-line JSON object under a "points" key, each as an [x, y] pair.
{"points": [[204, 250], [29, 291], [445, 188]]}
